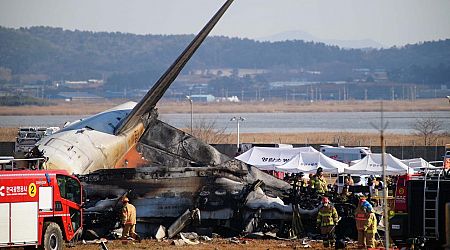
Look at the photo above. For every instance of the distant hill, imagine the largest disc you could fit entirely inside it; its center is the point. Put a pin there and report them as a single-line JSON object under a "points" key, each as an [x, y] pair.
{"points": [[305, 36], [135, 61]]}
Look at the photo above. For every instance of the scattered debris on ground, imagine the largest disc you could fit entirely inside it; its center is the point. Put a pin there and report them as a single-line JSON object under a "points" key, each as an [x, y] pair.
{"points": [[214, 243]]}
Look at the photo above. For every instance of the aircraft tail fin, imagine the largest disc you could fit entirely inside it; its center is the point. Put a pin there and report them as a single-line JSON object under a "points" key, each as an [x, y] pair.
{"points": [[159, 88]]}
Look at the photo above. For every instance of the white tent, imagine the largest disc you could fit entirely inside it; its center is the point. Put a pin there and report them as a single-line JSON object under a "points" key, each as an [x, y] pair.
{"points": [[371, 164], [417, 163], [308, 162], [266, 158]]}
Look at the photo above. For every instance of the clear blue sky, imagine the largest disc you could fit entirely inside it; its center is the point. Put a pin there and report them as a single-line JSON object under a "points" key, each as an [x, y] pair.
{"points": [[390, 22]]}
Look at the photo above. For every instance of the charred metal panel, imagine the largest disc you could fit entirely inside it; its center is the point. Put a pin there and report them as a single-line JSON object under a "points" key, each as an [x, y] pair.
{"points": [[172, 140], [161, 157]]}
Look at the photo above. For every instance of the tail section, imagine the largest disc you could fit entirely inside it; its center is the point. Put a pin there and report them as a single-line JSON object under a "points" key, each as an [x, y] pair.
{"points": [[159, 88]]}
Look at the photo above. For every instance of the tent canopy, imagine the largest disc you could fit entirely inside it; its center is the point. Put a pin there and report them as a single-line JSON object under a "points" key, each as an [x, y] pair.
{"points": [[308, 162], [371, 164], [266, 158], [417, 163]]}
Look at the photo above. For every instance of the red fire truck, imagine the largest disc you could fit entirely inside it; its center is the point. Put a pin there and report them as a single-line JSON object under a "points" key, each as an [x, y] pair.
{"points": [[420, 205], [39, 207]]}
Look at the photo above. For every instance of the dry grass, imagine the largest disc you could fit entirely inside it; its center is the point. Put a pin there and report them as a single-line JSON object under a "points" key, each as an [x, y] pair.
{"points": [[365, 139], [8, 134], [322, 106], [85, 108], [61, 108], [343, 138]]}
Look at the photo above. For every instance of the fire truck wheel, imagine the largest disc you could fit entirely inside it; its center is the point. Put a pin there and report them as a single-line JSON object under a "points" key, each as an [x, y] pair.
{"points": [[53, 239]]}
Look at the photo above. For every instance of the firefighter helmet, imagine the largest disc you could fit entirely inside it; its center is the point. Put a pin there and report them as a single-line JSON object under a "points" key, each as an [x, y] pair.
{"points": [[325, 200], [367, 206], [125, 199], [362, 200]]}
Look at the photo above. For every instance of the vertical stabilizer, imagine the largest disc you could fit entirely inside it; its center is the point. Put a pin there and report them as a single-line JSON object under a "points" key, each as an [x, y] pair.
{"points": [[159, 88]]}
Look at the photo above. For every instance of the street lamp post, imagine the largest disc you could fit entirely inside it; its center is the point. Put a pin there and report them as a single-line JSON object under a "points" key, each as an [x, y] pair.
{"points": [[237, 119], [192, 112]]}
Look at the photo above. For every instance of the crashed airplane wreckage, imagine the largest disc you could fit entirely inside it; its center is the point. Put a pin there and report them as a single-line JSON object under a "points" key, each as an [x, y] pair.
{"points": [[164, 170], [183, 173]]}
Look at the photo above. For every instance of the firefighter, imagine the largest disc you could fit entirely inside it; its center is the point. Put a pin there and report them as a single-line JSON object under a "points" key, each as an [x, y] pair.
{"points": [[370, 226], [129, 220], [344, 196], [312, 181], [327, 219], [361, 218], [320, 182]]}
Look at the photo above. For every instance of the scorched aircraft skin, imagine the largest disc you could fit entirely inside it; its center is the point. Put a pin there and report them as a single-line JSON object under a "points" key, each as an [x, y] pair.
{"points": [[101, 141], [167, 170]]}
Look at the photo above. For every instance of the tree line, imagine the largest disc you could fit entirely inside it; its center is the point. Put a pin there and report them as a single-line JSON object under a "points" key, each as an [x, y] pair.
{"points": [[137, 60]]}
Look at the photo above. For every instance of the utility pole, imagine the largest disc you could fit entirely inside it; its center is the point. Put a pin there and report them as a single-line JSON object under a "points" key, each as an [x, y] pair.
{"points": [[237, 119], [192, 113], [381, 128]]}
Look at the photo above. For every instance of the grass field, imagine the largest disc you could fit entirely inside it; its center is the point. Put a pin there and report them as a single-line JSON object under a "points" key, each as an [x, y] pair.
{"points": [[364, 139], [343, 138], [85, 108]]}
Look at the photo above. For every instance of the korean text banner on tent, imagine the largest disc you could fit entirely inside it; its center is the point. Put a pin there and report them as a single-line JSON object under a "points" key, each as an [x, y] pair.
{"points": [[262, 156], [308, 162]]}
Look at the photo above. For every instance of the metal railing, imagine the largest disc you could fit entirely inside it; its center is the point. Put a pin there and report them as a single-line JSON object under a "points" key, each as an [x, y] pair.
{"points": [[9, 163]]}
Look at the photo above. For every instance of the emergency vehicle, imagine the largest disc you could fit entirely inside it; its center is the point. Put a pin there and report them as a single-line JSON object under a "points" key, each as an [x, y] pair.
{"points": [[27, 137], [38, 207], [420, 209], [343, 154]]}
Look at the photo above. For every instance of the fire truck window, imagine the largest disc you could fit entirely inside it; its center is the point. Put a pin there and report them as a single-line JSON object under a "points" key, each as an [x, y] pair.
{"points": [[75, 217], [69, 188]]}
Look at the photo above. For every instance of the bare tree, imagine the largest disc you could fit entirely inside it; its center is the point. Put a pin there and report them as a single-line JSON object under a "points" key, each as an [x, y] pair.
{"points": [[208, 132], [428, 129]]}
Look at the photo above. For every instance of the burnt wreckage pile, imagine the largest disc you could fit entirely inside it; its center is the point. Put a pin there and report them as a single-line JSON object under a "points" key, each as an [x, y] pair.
{"points": [[182, 174], [181, 183]]}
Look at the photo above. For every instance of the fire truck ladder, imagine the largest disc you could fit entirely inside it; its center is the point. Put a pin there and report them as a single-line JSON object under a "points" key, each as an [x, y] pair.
{"points": [[430, 205]]}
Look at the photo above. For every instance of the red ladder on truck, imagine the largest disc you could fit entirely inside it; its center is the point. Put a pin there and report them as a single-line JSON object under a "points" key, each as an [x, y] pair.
{"points": [[430, 205]]}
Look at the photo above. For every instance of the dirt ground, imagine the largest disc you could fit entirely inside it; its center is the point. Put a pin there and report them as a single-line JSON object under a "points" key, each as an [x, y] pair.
{"points": [[215, 244]]}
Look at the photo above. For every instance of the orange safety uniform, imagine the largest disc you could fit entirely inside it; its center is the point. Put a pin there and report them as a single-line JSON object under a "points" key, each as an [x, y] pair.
{"points": [[361, 219], [128, 220]]}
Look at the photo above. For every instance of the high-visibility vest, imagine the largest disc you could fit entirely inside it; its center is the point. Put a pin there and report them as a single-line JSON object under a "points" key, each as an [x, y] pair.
{"points": [[312, 181], [321, 185], [361, 218], [371, 224], [327, 216]]}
